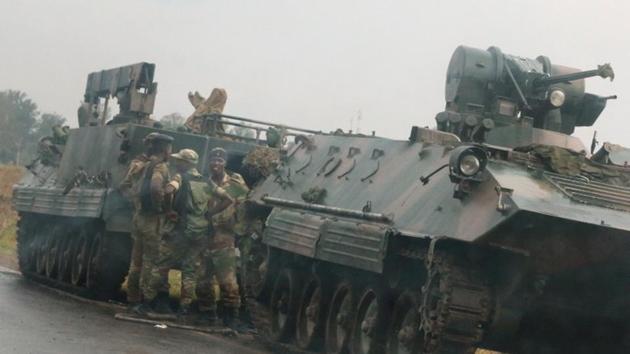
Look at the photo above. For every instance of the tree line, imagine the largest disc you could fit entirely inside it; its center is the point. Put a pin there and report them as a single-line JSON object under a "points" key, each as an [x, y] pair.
{"points": [[22, 126]]}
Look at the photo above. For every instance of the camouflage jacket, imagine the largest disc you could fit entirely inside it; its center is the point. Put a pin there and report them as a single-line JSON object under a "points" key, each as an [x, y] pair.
{"points": [[227, 220], [191, 202], [159, 178], [130, 184]]}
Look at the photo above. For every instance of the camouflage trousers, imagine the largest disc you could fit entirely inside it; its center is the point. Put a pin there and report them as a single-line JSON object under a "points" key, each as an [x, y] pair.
{"points": [[219, 265], [148, 233], [134, 293], [245, 249], [184, 253]]}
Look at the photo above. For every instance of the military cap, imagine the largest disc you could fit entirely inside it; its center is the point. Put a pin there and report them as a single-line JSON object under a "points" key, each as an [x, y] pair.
{"points": [[217, 154], [187, 155], [149, 138], [161, 138]]}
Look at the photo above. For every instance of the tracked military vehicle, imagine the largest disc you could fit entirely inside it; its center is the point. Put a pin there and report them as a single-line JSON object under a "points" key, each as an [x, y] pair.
{"points": [[492, 231], [74, 222]]}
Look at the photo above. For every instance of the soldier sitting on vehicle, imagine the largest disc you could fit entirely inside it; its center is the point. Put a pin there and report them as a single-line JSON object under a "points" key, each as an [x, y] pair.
{"points": [[198, 122]]}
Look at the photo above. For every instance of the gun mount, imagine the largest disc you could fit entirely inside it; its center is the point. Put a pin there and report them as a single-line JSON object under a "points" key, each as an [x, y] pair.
{"points": [[507, 100], [131, 85]]}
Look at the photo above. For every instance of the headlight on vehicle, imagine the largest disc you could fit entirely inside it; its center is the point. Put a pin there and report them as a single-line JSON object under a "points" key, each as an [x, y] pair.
{"points": [[469, 165], [556, 98], [467, 162]]}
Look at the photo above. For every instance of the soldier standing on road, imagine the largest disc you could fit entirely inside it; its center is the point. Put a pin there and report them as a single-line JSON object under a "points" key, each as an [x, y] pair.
{"points": [[150, 220], [130, 188], [220, 257], [187, 225]]}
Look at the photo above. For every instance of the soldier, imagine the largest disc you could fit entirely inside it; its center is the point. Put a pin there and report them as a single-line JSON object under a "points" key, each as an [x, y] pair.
{"points": [[220, 257], [150, 220], [188, 224], [129, 187], [246, 231]]}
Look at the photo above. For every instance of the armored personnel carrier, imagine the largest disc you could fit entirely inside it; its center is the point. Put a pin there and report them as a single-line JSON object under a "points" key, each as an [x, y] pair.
{"points": [[74, 222], [492, 231]]}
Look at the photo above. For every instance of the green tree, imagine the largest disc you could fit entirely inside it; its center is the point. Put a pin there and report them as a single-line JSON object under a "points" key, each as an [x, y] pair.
{"points": [[43, 126], [172, 121], [18, 115]]}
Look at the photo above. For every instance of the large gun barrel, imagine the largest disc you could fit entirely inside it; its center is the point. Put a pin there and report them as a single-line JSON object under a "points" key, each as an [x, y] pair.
{"points": [[604, 71], [517, 95]]}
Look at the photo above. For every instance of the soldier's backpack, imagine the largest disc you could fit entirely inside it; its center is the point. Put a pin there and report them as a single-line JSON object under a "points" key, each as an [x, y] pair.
{"points": [[147, 204]]}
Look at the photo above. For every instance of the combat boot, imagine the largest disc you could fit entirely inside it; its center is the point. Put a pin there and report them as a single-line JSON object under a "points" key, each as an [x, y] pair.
{"points": [[140, 309], [160, 310], [161, 304], [208, 318], [183, 313], [230, 320], [247, 322]]}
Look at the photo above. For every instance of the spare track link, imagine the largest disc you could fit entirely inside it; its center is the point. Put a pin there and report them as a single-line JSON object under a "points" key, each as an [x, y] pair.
{"points": [[456, 305]]}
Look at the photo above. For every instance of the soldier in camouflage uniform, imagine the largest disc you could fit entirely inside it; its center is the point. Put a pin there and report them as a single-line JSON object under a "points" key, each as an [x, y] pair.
{"points": [[220, 258], [149, 221], [129, 187], [187, 226]]}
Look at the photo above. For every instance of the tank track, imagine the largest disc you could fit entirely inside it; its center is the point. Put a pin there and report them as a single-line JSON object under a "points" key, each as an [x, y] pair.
{"points": [[456, 306], [50, 252]]}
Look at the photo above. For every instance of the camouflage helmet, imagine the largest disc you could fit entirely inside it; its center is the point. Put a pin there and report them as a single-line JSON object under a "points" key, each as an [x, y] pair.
{"points": [[217, 154], [187, 155]]}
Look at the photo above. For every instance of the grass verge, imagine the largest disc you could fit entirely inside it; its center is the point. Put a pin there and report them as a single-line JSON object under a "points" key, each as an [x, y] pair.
{"points": [[9, 175]]}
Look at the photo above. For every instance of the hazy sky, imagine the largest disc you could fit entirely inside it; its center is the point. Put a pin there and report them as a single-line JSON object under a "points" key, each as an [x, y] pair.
{"points": [[307, 63]]}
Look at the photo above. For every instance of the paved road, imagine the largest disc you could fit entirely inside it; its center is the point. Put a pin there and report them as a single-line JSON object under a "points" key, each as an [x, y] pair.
{"points": [[34, 319]]}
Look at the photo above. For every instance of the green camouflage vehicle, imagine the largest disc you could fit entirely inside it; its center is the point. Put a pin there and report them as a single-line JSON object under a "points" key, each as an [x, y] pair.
{"points": [[494, 231], [74, 222]]}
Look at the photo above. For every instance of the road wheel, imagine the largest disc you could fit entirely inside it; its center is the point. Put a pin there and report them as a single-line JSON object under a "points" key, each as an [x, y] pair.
{"points": [[80, 256], [284, 304], [27, 252], [94, 261], [403, 334], [311, 315], [368, 329], [261, 271], [42, 252], [339, 319], [64, 260], [53, 255]]}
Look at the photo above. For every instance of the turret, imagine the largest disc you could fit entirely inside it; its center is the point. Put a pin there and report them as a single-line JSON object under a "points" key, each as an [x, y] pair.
{"points": [[508, 100]]}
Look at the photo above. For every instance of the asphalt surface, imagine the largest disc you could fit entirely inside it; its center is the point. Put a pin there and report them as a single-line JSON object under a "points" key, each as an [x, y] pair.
{"points": [[35, 319]]}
